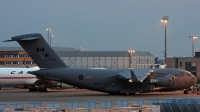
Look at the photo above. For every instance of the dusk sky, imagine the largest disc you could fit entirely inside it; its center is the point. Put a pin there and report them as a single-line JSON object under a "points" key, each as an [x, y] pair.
{"points": [[106, 25]]}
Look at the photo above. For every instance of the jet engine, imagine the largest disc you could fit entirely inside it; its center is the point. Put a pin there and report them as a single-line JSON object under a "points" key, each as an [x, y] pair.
{"points": [[161, 81]]}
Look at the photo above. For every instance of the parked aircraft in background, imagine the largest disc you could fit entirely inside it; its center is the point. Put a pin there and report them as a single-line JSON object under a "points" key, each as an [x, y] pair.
{"points": [[112, 81], [21, 77]]}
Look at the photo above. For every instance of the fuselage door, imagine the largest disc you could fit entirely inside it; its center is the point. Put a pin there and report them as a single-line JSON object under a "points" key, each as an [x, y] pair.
{"points": [[173, 79]]}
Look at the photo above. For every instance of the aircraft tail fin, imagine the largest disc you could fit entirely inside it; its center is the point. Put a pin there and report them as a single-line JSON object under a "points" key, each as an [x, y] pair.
{"points": [[39, 50]]}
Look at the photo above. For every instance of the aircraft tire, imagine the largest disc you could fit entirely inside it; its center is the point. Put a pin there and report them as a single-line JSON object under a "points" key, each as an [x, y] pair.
{"points": [[131, 93], [30, 89], [40, 90], [35, 89], [185, 91], [112, 93], [121, 93], [44, 89]]}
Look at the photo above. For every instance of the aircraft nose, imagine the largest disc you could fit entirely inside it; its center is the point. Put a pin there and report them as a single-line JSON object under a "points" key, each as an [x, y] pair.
{"points": [[195, 80]]}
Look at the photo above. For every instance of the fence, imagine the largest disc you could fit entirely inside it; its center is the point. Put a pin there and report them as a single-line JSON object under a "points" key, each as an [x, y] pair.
{"points": [[89, 104]]}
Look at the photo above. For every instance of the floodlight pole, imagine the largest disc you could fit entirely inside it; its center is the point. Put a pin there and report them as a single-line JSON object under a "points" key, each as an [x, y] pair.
{"points": [[131, 56], [193, 37], [48, 30], [50, 39], [165, 20]]}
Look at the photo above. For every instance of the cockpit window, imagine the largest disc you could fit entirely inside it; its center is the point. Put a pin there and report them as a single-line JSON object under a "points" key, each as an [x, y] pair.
{"points": [[188, 73]]}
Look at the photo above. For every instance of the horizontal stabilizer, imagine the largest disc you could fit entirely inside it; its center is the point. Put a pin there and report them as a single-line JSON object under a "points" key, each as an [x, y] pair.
{"points": [[24, 37], [34, 36], [8, 40], [31, 38]]}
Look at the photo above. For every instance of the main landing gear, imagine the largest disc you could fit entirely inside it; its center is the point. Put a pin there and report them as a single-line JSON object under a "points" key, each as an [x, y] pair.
{"points": [[37, 89], [112, 93], [121, 93]]}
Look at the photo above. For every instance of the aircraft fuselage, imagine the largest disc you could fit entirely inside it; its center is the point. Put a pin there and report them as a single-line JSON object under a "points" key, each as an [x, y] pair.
{"points": [[105, 80]]}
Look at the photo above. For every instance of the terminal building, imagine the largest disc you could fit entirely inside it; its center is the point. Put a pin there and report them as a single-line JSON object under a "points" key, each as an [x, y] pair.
{"points": [[191, 64], [16, 56]]}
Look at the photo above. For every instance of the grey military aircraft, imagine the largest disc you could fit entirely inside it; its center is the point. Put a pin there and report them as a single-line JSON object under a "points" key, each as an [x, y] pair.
{"points": [[112, 81]]}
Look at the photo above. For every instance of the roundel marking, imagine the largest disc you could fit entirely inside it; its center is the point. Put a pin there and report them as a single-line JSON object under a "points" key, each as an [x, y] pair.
{"points": [[80, 77]]}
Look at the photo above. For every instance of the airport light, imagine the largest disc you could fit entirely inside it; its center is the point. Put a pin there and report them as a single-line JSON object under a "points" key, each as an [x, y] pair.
{"points": [[131, 55], [165, 20], [193, 38], [50, 39], [48, 30]]}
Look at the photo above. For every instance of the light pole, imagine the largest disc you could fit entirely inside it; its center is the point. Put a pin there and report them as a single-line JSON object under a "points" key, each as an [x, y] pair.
{"points": [[131, 56], [193, 37], [48, 30], [165, 20], [50, 39]]}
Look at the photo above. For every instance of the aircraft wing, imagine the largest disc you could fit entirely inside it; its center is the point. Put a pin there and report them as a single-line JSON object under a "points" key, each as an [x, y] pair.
{"points": [[136, 75]]}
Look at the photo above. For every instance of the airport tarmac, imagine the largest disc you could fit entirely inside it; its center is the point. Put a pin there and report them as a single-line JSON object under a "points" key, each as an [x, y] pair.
{"points": [[10, 96], [22, 95]]}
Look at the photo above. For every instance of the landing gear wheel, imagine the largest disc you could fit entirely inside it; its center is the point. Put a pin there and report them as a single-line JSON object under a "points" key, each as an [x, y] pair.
{"points": [[185, 91], [30, 89], [35, 89], [121, 93], [112, 93], [44, 89], [131, 93], [40, 90]]}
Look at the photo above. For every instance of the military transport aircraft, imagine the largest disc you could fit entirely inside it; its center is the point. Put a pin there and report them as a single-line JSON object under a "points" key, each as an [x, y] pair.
{"points": [[112, 81], [21, 77]]}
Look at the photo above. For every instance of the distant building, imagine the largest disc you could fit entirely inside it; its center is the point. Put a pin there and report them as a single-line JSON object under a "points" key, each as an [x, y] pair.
{"points": [[191, 64], [16, 56]]}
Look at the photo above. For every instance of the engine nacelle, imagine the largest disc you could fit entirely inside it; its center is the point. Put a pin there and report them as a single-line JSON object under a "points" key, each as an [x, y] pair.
{"points": [[62, 85], [161, 81]]}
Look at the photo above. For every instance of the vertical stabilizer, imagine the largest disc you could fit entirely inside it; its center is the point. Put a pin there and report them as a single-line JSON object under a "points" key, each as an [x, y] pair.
{"points": [[39, 50]]}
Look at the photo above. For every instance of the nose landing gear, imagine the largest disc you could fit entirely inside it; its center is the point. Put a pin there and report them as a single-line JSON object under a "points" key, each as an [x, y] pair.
{"points": [[185, 91], [37, 89]]}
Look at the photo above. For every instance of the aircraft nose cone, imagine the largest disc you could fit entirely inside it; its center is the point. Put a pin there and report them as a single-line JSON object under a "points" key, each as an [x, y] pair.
{"points": [[195, 80]]}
